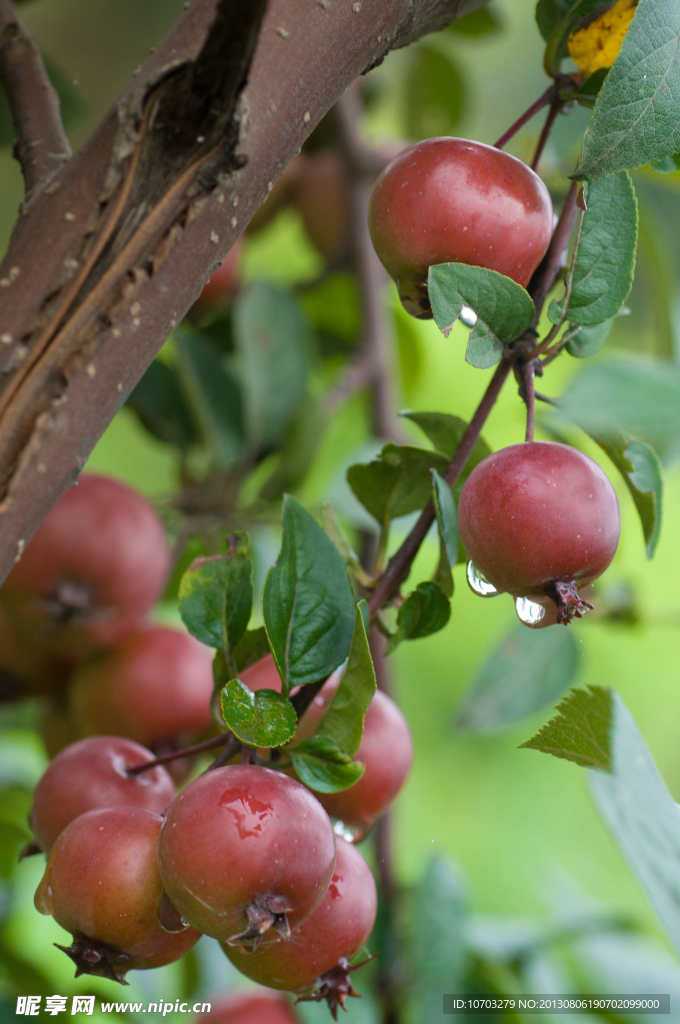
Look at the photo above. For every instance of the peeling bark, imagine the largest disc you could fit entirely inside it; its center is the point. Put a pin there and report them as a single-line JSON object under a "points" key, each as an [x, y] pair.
{"points": [[106, 260]]}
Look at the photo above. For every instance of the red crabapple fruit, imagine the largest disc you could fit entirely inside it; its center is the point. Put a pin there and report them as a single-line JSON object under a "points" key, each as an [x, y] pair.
{"points": [[155, 685], [102, 884], [449, 200], [386, 749], [315, 960], [92, 571], [244, 849], [540, 520], [250, 1007], [93, 773]]}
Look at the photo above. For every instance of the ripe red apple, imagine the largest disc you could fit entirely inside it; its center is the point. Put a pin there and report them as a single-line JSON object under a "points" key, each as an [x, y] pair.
{"points": [[155, 685], [449, 200], [252, 1006], [539, 520], [94, 568]]}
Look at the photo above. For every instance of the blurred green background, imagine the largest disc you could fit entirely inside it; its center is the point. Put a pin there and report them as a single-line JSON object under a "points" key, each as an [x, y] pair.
{"points": [[522, 826]]}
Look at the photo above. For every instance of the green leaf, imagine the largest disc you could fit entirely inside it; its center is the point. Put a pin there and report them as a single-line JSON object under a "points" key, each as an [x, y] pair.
{"points": [[589, 340], [272, 337], [216, 598], [581, 732], [426, 610], [445, 432], [307, 603], [605, 261], [668, 164], [440, 934], [482, 22], [637, 396], [261, 719], [641, 470], [527, 671], [447, 516], [504, 309], [397, 482], [213, 395], [637, 116], [562, 27], [343, 721], [322, 766], [549, 14], [449, 539], [587, 93], [434, 93], [159, 402], [641, 815], [299, 443], [252, 646]]}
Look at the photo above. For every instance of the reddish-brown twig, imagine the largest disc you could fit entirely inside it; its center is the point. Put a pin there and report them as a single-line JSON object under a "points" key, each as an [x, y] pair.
{"points": [[40, 146]]}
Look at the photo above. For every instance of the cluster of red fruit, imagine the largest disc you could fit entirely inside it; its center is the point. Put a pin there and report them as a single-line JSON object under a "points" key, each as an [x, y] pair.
{"points": [[244, 853], [74, 625], [538, 520]]}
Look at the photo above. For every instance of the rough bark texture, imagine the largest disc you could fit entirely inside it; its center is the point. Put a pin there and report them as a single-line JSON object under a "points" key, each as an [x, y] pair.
{"points": [[111, 253]]}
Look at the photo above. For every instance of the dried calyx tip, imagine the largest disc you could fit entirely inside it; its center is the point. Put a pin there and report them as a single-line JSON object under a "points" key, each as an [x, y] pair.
{"points": [[91, 957], [335, 986]]}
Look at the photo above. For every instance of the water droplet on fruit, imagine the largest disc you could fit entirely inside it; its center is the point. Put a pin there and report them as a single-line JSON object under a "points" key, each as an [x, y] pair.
{"points": [[344, 832], [529, 612], [479, 583]]}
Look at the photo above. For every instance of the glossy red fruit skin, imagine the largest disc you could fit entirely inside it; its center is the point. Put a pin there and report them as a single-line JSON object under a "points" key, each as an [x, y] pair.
{"points": [[339, 928], [448, 200], [239, 834], [258, 1007], [102, 542], [92, 773], [155, 685], [262, 675], [386, 749], [102, 882], [536, 513]]}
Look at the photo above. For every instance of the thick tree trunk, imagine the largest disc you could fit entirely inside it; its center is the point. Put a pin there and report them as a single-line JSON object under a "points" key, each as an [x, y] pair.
{"points": [[110, 252]]}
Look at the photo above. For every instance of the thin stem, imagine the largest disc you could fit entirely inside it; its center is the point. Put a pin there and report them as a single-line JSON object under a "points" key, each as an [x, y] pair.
{"points": [[176, 755], [40, 145], [544, 278], [400, 563], [555, 107], [549, 96], [528, 373]]}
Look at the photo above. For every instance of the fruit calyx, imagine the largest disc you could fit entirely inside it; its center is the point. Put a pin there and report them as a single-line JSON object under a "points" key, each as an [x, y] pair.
{"points": [[263, 913], [335, 986], [91, 957], [569, 604], [71, 603]]}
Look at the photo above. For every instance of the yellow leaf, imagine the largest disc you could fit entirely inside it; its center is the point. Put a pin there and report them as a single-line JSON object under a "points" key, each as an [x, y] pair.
{"points": [[597, 45]]}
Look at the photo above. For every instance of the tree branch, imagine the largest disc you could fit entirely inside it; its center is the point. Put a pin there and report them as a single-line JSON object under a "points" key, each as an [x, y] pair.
{"points": [[41, 146], [363, 166], [111, 255]]}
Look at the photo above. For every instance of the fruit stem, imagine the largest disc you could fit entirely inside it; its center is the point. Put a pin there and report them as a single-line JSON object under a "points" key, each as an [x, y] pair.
{"points": [[555, 108], [198, 748], [528, 371], [400, 563], [551, 95]]}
